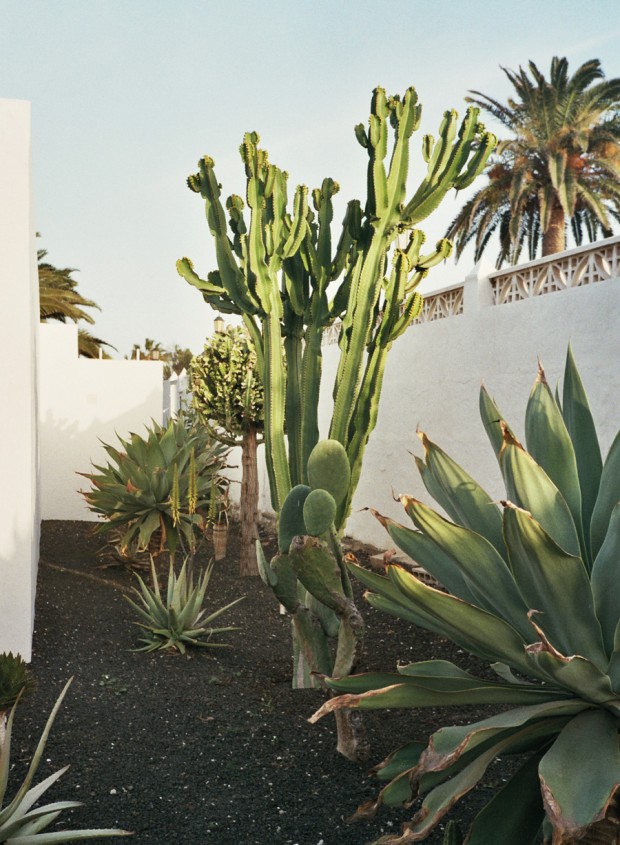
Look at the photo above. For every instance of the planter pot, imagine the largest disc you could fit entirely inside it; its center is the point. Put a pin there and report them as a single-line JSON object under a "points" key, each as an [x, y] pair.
{"points": [[220, 541]]}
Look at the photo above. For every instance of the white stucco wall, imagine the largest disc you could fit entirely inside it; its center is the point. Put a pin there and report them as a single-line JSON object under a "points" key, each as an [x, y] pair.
{"points": [[433, 379], [81, 402], [19, 514]]}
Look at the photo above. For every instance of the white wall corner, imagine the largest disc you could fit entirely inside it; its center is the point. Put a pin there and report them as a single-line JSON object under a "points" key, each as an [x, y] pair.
{"points": [[19, 517], [478, 292]]}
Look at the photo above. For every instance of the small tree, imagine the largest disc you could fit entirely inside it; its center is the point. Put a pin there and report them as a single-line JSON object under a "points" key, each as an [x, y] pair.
{"points": [[228, 397]]}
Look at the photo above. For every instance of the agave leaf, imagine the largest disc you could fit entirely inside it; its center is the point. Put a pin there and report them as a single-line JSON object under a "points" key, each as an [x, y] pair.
{"points": [[61, 836], [401, 760], [448, 743], [582, 431], [438, 802], [40, 823], [529, 487], [587, 748], [485, 572], [435, 693], [221, 610], [8, 811], [493, 637], [148, 526], [40, 816], [460, 495], [429, 556], [613, 670], [608, 497], [492, 418], [549, 443], [33, 795], [604, 581], [514, 815], [574, 673], [554, 584]]}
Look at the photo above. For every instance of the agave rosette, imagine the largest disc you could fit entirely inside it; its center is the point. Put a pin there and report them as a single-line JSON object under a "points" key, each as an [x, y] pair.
{"points": [[160, 482], [177, 620], [531, 587]]}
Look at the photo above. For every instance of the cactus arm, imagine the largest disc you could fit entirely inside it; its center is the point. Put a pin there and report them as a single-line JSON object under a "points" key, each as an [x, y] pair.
{"points": [[257, 339], [312, 365], [447, 160], [275, 390], [231, 275], [363, 423], [294, 411]]}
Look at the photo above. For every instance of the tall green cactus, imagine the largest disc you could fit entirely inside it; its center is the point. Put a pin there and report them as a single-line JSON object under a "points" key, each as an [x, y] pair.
{"points": [[276, 271]]}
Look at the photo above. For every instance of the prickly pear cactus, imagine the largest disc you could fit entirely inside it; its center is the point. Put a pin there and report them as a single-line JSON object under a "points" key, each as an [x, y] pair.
{"points": [[308, 575]]}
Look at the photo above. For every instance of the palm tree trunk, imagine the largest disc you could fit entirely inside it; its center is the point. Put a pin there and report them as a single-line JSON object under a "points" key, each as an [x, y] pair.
{"points": [[248, 508], [554, 239]]}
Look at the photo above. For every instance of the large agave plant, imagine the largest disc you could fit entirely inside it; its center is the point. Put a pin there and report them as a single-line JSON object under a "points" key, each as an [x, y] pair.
{"points": [[23, 823], [532, 588], [157, 485], [177, 620]]}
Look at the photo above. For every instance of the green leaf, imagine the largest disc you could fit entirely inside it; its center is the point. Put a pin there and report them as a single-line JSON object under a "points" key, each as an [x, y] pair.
{"points": [[481, 632], [485, 572], [529, 487], [608, 497], [465, 502], [580, 773], [573, 673], [604, 581], [491, 419], [555, 585], [514, 815], [549, 443], [582, 431], [427, 554]]}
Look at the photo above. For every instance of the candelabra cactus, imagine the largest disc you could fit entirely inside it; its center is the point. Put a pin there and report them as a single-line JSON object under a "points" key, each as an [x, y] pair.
{"points": [[276, 269], [275, 272]]}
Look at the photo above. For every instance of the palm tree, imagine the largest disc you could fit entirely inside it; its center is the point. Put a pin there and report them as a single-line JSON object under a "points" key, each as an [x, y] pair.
{"points": [[60, 300], [563, 164]]}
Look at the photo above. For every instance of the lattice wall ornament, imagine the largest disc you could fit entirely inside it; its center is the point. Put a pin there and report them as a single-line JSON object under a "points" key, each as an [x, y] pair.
{"points": [[439, 306], [583, 267]]}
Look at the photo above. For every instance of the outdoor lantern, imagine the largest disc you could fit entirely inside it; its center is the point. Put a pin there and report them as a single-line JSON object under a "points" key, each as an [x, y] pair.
{"points": [[218, 324]]}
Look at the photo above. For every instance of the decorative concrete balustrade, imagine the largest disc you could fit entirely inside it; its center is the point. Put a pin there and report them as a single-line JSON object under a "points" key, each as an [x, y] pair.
{"points": [[574, 268]]}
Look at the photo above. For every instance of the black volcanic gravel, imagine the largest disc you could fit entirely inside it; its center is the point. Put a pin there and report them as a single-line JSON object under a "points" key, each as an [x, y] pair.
{"points": [[211, 748]]}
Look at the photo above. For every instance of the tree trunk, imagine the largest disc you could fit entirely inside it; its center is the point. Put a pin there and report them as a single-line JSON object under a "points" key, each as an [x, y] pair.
{"points": [[248, 510], [554, 239]]}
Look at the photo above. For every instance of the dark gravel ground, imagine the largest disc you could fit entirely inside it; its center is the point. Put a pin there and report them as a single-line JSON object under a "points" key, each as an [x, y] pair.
{"points": [[213, 747]]}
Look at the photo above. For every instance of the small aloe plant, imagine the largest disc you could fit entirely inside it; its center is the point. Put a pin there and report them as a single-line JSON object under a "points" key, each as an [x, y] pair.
{"points": [[179, 621], [532, 588], [23, 823]]}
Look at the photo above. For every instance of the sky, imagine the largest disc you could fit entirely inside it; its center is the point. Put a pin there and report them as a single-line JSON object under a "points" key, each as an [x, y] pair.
{"points": [[127, 95]]}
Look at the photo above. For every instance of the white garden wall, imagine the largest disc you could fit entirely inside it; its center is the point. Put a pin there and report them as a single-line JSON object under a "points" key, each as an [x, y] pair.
{"points": [[491, 329], [82, 402], [19, 514]]}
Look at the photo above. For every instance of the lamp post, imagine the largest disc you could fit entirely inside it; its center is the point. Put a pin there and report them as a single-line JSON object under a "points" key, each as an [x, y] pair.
{"points": [[218, 324]]}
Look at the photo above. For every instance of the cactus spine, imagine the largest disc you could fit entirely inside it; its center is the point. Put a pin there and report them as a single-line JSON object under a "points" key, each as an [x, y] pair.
{"points": [[287, 281]]}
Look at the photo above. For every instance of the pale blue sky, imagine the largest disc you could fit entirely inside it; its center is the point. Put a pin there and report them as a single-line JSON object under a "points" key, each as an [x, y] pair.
{"points": [[128, 94]]}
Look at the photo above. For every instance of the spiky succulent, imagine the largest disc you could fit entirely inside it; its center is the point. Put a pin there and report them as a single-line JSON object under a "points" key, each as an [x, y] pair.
{"points": [[531, 587], [23, 823], [177, 620], [15, 679], [157, 483]]}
